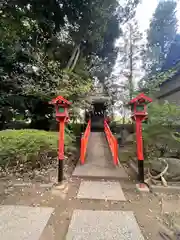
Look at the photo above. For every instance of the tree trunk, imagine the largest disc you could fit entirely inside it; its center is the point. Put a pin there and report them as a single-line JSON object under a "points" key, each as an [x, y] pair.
{"points": [[130, 64], [74, 58]]}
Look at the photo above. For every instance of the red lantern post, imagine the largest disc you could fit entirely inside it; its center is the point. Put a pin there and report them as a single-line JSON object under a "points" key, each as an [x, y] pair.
{"points": [[61, 106], [139, 114]]}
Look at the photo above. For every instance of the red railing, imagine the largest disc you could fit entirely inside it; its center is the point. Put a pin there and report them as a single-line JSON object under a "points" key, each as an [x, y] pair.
{"points": [[112, 141], [84, 142]]}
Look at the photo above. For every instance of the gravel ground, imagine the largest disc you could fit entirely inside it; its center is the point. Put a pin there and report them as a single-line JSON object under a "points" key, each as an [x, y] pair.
{"points": [[149, 209]]}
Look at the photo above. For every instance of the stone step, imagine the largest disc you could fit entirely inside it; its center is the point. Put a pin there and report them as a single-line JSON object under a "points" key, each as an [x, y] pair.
{"points": [[92, 171], [104, 225], [22, 222], [101, 190]]}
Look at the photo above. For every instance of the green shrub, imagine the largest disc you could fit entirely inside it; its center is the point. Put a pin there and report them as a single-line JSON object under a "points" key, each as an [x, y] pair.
{"points": [[75, 128], [157, 133], [32, 148]]}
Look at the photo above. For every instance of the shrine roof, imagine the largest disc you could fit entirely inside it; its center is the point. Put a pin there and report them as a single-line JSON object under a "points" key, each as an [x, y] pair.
{"points": [[141, 97], [60, 99]]}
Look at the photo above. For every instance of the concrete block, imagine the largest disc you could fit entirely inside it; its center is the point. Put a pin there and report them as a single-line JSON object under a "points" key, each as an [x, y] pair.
{"points": [[101, 190], [171, 206], [46, 185], [104, 225], [141, 187], [166, 190], [25, 184]]}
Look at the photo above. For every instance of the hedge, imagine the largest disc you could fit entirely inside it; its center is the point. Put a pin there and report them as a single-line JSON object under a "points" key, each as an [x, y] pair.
{"points": [[29, 147]]}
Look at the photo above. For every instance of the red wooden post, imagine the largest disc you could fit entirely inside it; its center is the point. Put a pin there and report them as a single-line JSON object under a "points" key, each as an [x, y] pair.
{"points": [[61, 106], [115, 151], [84, 142], [112, 141], [82, 150], [138, 106], [61, 149], [139, 140], [139, 146], [61, 139]]}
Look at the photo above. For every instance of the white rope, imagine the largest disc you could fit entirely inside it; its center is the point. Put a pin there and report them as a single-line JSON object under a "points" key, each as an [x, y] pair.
{"points": [[160, 175]]}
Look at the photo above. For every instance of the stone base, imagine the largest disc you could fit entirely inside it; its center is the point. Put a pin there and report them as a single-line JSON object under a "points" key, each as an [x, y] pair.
{"points": [[141, 187]]}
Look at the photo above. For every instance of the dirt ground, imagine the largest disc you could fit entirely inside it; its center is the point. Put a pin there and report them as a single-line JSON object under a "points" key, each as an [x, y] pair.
{"points": [[147, 207]]}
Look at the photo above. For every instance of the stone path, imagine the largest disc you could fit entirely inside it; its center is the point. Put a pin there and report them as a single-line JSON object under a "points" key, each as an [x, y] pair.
{"points": [[102, 225], [64, 200], [91, 210], [96, 224]]}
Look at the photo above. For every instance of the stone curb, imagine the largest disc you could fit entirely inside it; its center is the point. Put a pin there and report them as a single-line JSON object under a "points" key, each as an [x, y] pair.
{"points": [[97, 178], [165, 230], [167, 190], [27, 184]]}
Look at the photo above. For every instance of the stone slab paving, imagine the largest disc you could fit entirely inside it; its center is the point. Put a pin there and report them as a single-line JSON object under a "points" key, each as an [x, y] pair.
{"points": [[103, 225], [22, 222], [101, 190], [171, 206], [94, 171]]}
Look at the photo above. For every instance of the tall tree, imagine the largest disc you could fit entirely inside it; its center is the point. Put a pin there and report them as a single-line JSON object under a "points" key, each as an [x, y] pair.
{"points": [[129, 57], [173, 56], [121, 85], [161, 33], [103, 65]]}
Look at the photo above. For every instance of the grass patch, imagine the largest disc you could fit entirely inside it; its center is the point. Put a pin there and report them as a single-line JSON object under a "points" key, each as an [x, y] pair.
{"points": [[30, 148]]}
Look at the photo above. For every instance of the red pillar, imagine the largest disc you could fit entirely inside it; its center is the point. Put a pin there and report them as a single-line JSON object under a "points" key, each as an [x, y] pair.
{"points": [[61, 139], [115, 151], [61, 149], [139, 140], [82, 151], [139, 145]]}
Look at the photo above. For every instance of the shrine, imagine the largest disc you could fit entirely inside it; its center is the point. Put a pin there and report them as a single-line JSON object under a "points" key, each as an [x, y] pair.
{"points": [[98, 112]]}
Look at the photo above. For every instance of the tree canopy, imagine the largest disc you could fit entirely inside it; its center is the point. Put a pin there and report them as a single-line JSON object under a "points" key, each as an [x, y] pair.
{"points": [[51, 47], [173, 56], [161, 34], [162, 37]]}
